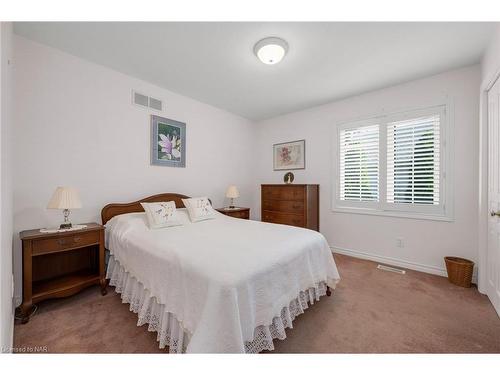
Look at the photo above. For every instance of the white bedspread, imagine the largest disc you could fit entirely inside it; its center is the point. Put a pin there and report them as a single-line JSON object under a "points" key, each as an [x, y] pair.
{"points": [[221, 278]]}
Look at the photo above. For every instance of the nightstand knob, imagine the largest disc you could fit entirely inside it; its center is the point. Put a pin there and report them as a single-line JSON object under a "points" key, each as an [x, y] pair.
{"points": [[61, 242], [76, 239]]}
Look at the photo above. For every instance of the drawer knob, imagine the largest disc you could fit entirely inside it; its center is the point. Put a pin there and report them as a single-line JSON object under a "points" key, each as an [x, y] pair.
{"points": [[77, 239], [61, 242]]}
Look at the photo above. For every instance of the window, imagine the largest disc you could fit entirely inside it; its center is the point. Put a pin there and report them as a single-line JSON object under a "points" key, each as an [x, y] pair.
{"points": [[413, 161], [359, 164], [394, 165]]}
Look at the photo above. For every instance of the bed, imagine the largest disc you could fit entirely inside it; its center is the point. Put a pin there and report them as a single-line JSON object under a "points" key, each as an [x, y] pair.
{"points": [[224, 285]]}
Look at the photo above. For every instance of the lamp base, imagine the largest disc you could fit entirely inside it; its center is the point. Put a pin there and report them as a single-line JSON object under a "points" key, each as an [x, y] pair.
{"points": [[67, 223], [231, 205]]}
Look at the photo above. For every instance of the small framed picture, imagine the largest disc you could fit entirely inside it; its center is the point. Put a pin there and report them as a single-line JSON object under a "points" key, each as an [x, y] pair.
{"points": [[168, 142], [289, 155]]}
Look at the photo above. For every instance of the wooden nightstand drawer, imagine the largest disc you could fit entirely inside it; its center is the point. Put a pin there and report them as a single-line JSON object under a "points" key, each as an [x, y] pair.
{"points": [[238, 213], [52, 245]]}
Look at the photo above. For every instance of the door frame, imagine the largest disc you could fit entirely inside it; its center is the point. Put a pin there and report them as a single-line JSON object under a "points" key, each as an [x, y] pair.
{"points": [[483, 210]]}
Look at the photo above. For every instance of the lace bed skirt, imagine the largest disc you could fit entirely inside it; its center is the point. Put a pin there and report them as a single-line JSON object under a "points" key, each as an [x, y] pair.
{"points": [[169, 329]]}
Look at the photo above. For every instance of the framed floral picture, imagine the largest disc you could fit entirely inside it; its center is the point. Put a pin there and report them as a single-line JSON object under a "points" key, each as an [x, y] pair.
{"points": [[168, 142], [289, 155]]}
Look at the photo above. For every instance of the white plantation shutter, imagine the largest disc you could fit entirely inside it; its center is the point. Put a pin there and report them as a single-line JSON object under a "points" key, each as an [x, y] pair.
{"points": [[413, 161], [359, 164], [397, 165]]}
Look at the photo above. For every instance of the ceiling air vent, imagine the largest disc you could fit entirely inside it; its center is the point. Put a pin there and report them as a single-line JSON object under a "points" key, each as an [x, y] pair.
{"points": [[146, 101], [155, 104]]}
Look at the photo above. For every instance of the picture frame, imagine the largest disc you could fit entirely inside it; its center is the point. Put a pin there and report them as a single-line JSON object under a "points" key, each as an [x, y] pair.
{"points": [[289, 155], [168, 142]]}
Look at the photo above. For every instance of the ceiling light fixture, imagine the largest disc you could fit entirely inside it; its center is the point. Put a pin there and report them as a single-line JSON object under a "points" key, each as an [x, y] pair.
{"points": [[271, 50]]}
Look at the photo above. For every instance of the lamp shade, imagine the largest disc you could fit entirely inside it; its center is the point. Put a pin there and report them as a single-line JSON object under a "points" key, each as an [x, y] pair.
{"points": [[65, 198], [232, 192]]}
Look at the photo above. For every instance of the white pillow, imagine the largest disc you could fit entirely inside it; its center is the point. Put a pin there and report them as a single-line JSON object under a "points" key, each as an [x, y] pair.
{"points": [[161, 214], [199, 209]]}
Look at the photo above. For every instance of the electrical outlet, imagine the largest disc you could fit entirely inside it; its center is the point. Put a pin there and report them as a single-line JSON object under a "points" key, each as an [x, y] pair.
{"points": [[400, 242]]}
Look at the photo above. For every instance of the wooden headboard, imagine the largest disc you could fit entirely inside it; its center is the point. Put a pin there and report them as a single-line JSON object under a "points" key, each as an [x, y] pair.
{"points": [[111, 210]]}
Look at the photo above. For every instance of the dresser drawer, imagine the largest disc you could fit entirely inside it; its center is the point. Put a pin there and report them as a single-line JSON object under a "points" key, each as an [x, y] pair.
{"points": [[283, 218], [283, 206], [51, 245], [287, 193]]}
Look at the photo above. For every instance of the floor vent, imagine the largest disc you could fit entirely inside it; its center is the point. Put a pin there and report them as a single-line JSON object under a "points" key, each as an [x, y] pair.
{"points": [[391, 269]]}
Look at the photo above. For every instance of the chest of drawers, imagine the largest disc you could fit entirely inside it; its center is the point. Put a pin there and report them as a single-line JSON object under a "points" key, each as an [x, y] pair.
{"points": [[296, 205]]}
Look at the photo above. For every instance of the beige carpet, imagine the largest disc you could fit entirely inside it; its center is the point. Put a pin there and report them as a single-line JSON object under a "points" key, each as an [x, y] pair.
{"points": [[371, 311]]}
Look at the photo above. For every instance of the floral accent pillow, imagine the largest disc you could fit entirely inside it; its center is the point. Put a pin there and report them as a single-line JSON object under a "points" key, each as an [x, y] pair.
{"points": [[199, 209], [161, 214]]}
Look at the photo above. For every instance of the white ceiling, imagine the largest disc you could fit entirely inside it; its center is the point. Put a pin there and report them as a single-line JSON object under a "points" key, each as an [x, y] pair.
{"points": [[214, 62]]}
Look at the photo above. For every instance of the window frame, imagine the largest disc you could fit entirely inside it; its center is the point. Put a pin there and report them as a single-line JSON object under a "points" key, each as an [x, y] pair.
{"points": [[442, 212]]}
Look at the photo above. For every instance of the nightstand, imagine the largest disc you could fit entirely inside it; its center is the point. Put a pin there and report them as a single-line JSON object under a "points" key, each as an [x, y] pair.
{"points": [[237, 212], [61, 264]]}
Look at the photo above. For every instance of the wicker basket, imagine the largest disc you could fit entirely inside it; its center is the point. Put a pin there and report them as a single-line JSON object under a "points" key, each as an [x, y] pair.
{"points": [[459, 271]]}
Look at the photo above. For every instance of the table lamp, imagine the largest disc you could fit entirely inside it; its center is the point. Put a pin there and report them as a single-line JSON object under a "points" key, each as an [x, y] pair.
{"points": [[65, 198], [232, 192]]}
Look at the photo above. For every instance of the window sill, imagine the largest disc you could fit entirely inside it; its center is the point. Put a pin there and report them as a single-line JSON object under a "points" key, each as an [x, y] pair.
{"points": [[400, 214]]}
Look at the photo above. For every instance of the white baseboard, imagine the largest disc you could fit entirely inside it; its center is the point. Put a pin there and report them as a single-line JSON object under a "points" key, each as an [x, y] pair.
{"points": [[397, 262]]}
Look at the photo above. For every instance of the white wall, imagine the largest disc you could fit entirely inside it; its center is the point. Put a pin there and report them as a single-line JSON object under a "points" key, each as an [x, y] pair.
{"points": [[425, 242], [490, 70], [75, 125], [6, 306]]}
